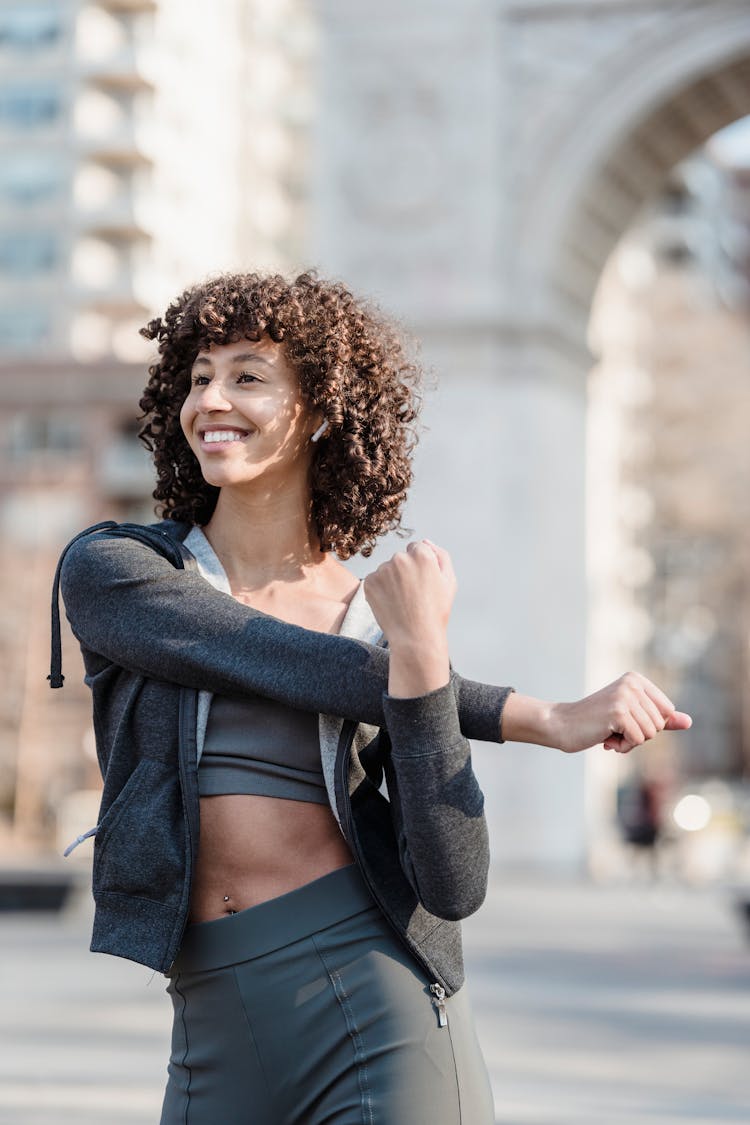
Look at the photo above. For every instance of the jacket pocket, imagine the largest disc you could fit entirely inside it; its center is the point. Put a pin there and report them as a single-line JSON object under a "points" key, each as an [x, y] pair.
{"points": [[138, 849]]}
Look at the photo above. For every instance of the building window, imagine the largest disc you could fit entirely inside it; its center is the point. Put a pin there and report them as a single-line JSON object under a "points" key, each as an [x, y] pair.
{"points": [[23, 329], [675, 253], [27, 254], [40, 516], [27, 179], [30, 107], [125, 468], [32, 27], [28, 434], [676, 198]]}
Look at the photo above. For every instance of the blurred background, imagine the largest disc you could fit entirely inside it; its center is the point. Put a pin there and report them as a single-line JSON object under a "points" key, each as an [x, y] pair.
{"points": [[554, 197]]}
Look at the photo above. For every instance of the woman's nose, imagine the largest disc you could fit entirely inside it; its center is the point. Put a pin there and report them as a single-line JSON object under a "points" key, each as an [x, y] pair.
{"points": [[212, 397]]}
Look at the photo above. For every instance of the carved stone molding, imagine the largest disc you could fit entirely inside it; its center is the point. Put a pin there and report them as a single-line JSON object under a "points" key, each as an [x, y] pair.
{"points": [[408, 193], [609, 98], [481, 159]]}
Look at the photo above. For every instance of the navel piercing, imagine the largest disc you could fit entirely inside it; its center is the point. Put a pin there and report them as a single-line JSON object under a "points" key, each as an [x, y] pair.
{"points": [[320, 430], [226, 898]]}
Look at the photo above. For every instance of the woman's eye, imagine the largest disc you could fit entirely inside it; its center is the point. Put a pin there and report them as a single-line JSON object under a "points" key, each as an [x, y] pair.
{"points": [[200, 380], [247, 377]]}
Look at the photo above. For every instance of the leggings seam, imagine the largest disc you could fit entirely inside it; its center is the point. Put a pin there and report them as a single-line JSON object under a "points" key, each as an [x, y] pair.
{"points": [[455, 1071], [251, 1032], [184, 1063], [360, 1056]]}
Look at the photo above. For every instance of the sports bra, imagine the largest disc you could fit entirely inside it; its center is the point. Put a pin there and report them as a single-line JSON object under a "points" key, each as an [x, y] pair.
{"points": [[255, 745]]}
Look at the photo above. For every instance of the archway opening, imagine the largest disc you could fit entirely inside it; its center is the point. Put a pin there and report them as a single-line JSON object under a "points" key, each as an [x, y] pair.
{"points": [[669, 492]]}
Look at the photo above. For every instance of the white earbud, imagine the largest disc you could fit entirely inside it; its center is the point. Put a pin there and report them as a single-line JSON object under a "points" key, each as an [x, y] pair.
{"points": [[320, 431]]}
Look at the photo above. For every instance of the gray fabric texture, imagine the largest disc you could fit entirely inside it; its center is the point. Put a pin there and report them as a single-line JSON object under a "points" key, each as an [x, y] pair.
{"points": [[153, 637], [256, 745]]}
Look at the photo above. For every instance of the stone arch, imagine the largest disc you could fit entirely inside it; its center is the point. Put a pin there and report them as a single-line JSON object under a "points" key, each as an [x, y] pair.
{"points": [[660, 103], [534, 113]]}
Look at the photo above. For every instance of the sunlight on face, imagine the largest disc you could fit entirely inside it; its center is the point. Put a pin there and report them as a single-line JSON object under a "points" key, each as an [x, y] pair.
{"points": [[244, 416]]}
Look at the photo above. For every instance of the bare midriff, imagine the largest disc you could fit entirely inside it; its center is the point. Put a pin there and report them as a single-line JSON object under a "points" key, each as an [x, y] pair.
{"points": [[254, 848]]}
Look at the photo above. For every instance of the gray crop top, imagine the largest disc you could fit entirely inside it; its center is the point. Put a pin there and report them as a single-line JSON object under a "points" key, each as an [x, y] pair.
{"points": [[255, 745]]}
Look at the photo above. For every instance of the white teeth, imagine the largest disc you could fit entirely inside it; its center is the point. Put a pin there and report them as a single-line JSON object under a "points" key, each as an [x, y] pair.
{"points": [[223, 435]]}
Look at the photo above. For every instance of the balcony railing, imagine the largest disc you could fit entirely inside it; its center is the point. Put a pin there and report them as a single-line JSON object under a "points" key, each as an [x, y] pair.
{"points": [[128, 5], [115, 220], [118, 72], [122, 147]]}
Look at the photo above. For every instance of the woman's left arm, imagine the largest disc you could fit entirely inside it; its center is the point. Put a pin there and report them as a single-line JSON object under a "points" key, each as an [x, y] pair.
{"points": [[439, 805]]}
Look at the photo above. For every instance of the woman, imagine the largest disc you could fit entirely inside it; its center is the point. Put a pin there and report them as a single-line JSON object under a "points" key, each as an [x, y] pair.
{"points": [[291, 828]]}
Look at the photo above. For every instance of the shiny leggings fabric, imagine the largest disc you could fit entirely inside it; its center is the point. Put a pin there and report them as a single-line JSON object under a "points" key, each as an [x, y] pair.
{"points": [[308, 1010]]}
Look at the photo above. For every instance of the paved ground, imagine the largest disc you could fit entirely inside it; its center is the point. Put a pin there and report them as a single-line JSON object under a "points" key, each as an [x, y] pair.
{"points": [[595, 1005]]}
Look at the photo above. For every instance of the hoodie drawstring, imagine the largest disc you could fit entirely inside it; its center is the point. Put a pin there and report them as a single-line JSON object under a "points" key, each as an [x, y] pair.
{"points": [[55, 677], [174, 550]]}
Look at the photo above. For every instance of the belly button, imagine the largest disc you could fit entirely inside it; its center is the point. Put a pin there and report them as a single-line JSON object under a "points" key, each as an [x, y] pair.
{"points": [[226, 899]]}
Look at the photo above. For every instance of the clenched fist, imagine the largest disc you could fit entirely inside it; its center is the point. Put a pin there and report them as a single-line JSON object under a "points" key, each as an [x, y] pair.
{"points": [[622, 715], [411, 597]]}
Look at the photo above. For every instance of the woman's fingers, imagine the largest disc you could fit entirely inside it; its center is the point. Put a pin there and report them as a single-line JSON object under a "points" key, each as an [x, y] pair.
{"points": [[626, 733], [640, 710], [638, 728], [650, 718], [444, 561], [417, 545], [656, 695], [661, 708]]}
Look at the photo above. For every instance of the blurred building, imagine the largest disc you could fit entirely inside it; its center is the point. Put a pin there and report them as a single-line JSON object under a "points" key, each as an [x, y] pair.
{"points": [[670, 414], [143, 145], [699, 464]]}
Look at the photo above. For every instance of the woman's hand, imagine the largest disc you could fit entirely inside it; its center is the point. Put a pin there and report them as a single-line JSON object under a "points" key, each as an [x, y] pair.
{"points": [[622, 715], [411, 597]]}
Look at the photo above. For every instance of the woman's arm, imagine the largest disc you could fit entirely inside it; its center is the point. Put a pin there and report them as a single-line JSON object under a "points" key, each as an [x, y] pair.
{"points": [[130, 606], [438, 804]]}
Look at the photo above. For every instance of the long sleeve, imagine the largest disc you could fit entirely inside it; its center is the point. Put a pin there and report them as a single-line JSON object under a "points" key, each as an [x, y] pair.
{"points": [[438, 806], [129, 606]]}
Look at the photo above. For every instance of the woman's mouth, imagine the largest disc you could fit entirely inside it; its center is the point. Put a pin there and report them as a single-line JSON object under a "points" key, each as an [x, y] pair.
{"points": [[216, 439]]}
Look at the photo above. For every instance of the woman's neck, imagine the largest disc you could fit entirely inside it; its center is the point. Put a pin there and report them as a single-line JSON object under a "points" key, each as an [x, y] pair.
{"points": [[263, 540]]}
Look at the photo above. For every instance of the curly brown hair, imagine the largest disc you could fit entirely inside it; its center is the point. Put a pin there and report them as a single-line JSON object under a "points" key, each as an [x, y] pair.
{"points": [[353, 366]]}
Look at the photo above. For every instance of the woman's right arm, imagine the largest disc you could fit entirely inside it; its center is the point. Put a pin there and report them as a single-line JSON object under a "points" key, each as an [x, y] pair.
{"points": [[132, 607]]}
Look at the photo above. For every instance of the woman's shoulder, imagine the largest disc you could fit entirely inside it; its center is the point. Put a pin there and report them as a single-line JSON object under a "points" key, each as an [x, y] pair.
{"points": [[108, 546]]}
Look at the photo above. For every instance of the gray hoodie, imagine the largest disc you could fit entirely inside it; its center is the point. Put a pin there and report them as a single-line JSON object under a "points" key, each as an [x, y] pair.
{"points": [[160, 632]]}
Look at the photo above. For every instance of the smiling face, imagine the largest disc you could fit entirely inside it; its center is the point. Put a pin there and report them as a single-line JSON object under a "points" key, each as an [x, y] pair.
{"points": [[244, 417]]}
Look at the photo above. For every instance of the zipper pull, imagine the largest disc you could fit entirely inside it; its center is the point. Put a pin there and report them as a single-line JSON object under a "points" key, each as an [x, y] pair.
{"points": [[438, 992]]}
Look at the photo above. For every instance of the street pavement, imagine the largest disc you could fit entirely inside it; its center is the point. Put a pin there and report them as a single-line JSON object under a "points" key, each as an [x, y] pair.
{"points": [[595, 1005]]}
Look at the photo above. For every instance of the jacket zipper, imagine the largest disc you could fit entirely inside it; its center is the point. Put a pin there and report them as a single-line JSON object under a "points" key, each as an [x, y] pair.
{"points": [[186, 725], [438, 992], [436, 987]]}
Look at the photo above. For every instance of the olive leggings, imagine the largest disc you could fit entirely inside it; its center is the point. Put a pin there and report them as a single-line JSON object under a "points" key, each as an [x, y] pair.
{"points": [[308, 1010]]}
